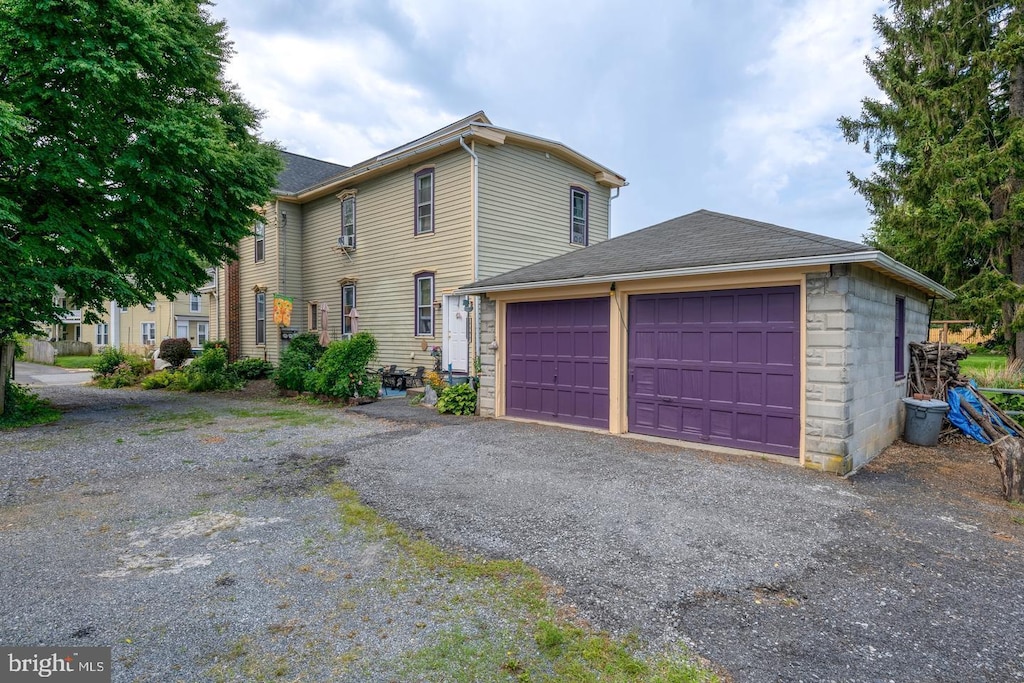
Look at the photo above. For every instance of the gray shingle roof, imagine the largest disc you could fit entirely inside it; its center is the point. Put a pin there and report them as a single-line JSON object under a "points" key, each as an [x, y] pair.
{"points": [[701, 238], [301, 172]]}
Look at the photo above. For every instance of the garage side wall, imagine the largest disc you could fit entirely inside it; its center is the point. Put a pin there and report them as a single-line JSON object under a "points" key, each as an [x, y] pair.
{"points": [[853, 397], [485, 399]]}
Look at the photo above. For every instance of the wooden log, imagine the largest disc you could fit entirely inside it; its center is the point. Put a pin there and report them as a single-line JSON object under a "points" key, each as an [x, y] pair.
{"points": [[1009, 459], [988, 404], [1006, 452], [991, 431]]}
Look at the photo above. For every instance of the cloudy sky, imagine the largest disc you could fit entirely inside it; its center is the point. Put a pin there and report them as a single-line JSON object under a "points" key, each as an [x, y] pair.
{"points": [[728, 105]]}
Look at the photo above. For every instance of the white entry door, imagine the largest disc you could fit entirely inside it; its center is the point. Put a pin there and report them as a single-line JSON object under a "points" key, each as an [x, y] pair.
{"points": [[182, 329], [456, 338]]}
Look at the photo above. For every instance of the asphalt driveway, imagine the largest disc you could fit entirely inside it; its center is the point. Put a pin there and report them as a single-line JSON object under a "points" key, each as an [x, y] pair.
{"points": [[771, 572]]}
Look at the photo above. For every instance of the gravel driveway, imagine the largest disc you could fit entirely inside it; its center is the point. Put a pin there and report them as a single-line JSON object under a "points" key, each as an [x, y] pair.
{"points": [[174, 527]]}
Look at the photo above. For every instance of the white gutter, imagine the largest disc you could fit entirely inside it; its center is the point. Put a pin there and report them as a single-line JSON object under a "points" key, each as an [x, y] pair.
{"points": [[476, 242], [868, 257]]}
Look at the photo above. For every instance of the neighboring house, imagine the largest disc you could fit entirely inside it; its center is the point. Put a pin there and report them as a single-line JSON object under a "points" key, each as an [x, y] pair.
{"points": [[385, 243], [141, 328], [711, 329]]}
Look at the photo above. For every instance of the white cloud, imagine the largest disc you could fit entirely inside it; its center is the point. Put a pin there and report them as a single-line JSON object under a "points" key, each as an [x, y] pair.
{"points": [[342, 100], [785, 122]]}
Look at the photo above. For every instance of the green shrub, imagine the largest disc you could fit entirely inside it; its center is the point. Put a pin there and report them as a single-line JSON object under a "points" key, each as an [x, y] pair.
{"points": [[292, 370], [116, 369], [459, 399], [175, 351], [215, 344], [109, 359], [341, 370], [158, 380], [22, 408], [208, 372], [251, 368], [308, 343]]}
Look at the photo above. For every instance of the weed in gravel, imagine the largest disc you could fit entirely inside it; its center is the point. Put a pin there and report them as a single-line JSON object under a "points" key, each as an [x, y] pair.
{"points": [[516, 593], [289, 417], [193, 416], [157, 431]]}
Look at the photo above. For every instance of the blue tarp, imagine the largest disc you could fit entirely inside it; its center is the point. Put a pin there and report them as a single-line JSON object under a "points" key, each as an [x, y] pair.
{"points": [[959, 419]]}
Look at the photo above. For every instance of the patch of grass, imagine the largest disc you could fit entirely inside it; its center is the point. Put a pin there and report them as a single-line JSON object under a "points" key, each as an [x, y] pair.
{"points": [[77, 362], [289, 417], [534, 645]]}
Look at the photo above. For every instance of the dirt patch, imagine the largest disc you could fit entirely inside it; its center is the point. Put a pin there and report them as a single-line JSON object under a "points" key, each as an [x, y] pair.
{"points": [[256, 389], [960, 471], [958, 465], [298, 473]]}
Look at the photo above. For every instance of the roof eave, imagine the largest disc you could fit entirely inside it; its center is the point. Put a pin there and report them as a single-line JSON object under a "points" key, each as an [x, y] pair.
{"points": [[871, 258], [602, 174], [484, 131]]}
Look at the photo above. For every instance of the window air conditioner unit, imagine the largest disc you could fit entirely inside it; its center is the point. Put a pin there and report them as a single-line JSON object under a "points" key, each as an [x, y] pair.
{"points": [[347, 242]]}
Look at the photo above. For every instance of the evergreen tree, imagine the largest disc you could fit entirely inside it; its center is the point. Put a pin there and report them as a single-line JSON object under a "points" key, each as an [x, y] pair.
{"points": [[949, 145], [127, 162]]}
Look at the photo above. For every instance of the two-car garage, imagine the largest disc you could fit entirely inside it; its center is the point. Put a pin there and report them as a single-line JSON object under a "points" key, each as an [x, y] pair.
{"points": [[719, 367], [714, 330]]}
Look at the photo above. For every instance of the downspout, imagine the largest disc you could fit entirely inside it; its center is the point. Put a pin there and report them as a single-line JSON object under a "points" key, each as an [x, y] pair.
{"points": [[476, 243], [610, 198], [115, 326]]}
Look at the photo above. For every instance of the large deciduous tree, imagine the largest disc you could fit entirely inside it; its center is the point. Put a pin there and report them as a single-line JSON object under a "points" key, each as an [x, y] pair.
{"points": [[948, 140], [127, 161]]}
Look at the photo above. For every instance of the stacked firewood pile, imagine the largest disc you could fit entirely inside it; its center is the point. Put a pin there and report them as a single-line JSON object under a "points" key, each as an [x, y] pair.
{"points": [[934, 369], [934, 366]]}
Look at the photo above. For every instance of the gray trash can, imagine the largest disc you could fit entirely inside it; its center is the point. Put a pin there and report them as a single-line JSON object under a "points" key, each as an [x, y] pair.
{"points": [[924, 420]]}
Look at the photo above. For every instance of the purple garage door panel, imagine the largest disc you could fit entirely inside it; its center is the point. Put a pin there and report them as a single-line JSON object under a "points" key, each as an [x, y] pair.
{"points": [[717, 367], [557, 361]]}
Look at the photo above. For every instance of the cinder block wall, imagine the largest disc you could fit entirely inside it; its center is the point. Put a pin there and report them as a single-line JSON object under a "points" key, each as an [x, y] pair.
{"points": [[485, 394], [853, 398]]}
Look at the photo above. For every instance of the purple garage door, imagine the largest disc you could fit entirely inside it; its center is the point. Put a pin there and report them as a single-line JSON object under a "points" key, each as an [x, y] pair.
{"points": [[717, 367], [557, 361]]}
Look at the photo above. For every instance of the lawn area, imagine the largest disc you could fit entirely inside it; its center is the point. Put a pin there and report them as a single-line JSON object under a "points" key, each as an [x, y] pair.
{"points": [[76, 362], [981, 361]]}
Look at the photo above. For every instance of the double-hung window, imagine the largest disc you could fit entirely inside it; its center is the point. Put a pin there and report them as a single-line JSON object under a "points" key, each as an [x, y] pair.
{"points": [[102, 334], [348, 302], [424, 304], [151, 307], [348, 222], [148, 334], [194, 304], [202, 333], [579, 200], [261, 318], [900, 336], [425, 201], [260, 234], [314, 316]]}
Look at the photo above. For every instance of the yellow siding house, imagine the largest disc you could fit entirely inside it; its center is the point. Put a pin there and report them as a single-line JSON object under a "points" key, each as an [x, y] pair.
{"points": [[384, 244]]}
